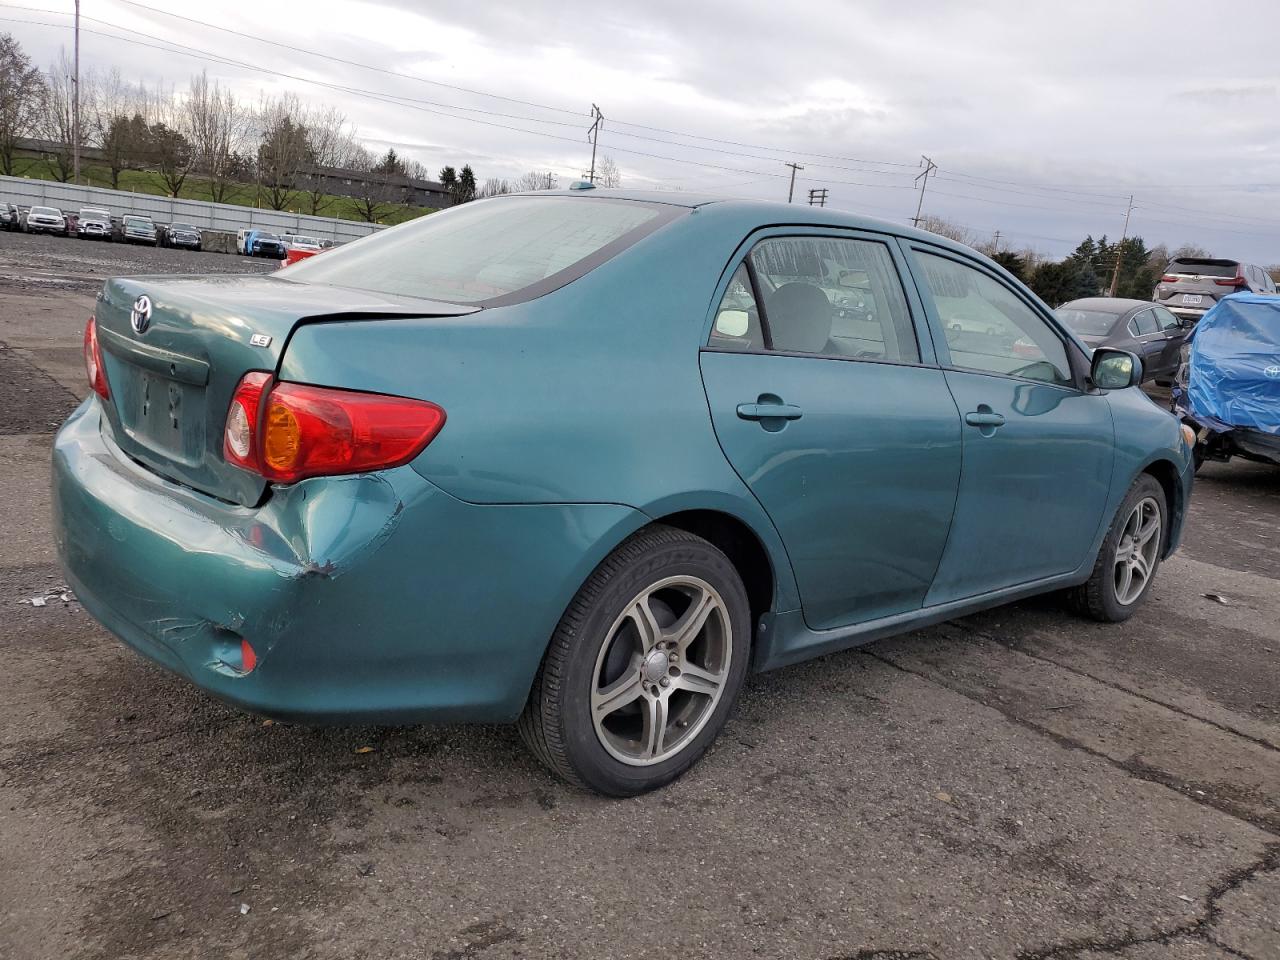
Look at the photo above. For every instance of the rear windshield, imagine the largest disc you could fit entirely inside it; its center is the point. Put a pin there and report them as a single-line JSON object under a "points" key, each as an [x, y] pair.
{"points": [[489, 249], [1087, 323], [1203, 267]]}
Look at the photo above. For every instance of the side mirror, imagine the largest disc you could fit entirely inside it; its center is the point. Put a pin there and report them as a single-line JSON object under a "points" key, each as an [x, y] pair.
{"points": [[1115, 369], [1186, 323]]}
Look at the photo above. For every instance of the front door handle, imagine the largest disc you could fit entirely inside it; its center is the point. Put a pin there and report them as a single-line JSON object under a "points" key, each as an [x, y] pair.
{"points": [[984, 418], [769, 411]]}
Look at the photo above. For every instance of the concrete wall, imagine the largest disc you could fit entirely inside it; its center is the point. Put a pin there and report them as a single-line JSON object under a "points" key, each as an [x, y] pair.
{"points": [[210, 216]]}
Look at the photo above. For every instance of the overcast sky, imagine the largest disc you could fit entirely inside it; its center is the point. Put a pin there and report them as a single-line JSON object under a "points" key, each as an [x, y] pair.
{"points": [[1042, 117]]}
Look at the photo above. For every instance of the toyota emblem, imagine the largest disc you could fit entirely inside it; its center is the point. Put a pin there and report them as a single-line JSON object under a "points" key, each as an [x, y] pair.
{"points": [[140, 316], [1273, 371]]}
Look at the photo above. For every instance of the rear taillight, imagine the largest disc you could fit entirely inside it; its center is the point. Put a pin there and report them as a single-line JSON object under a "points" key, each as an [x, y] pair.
{"points": [[1237, 281], [290, 431], [93, 368], [1169, 278]]}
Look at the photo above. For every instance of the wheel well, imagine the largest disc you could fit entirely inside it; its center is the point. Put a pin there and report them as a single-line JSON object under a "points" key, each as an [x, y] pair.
{"points": [[740, 544], [1166, 474]]}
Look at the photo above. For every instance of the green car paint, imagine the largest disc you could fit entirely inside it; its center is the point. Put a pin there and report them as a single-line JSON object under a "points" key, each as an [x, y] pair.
{"points": [[576, 417]]}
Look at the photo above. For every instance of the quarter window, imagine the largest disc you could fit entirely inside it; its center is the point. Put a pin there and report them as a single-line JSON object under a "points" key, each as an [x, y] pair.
{"points": [[737, 325], [989, 328], [833, 297]]}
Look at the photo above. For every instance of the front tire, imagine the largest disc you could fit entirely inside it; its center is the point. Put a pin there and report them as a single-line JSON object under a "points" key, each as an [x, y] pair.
{"points": [[1129, 556], [644, 666]]}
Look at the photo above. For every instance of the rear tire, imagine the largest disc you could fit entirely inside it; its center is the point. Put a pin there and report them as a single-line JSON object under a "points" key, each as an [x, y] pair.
{"points": [[1129, 557], [644, 666]]}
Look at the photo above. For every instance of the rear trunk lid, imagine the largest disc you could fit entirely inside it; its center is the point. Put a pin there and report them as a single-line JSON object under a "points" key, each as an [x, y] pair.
{"points": [[172, 370]]}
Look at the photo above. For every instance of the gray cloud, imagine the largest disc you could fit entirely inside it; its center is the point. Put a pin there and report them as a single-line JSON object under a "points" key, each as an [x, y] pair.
{"points": [[1017, 102]]}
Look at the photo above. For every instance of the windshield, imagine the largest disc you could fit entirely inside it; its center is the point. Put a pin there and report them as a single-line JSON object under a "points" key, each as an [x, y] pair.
{"points": [[94, 215], [488, 248], [137, 221], [46, 212], [181, 226], [1087, 323]]}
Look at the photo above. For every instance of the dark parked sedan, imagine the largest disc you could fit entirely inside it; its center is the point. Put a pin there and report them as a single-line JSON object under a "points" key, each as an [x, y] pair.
{"points": [[1139, 326]]}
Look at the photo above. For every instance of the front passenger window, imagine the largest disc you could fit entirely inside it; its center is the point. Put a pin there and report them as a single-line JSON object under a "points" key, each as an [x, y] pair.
{"points": [[988, 327]]}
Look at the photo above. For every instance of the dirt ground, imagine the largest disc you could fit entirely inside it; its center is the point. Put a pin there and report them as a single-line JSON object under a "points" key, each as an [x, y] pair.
{"points": [[1017, 784]]}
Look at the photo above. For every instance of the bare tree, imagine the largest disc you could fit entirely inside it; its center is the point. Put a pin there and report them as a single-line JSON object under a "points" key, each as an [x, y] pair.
{"points": [[21, 98], [947, 228], [379, 185], [333, 145], [115, 123], [493, 187], [217, 126], [168, 149], [283, 150], [56, 125], [1189, 250], [607, 172], [536, 180]]}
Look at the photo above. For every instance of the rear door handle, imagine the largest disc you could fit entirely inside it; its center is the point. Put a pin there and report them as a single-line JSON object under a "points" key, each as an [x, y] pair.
{"points": [[769, 411], [984, 419]]}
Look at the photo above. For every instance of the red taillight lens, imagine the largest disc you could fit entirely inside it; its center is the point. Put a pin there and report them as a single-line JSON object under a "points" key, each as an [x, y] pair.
{"points": [[297, 431], [1230, 282], [1169, 278], [93, 367]]}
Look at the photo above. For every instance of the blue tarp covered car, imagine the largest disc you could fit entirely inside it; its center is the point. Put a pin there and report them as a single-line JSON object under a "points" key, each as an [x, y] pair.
{"points": [[1228, 387]]}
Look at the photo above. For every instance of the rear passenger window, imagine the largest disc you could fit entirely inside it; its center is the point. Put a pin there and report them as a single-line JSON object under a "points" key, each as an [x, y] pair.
{"points": [[989, 328], [833, 297], [1146, 322]]}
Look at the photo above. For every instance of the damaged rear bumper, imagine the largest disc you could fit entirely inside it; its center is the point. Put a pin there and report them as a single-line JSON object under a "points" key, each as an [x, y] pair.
{"points": [[368, 598]]}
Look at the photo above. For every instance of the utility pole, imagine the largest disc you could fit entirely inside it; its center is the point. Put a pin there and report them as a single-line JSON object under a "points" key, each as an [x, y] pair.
{"points": [[794, 167], [597, 118], [995, 244], [1115, 274], [75, 104], [818, 197], [923, 180]]}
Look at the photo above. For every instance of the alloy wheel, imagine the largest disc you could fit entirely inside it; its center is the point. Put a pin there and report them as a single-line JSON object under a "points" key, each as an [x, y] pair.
{"points": [[1137, 550], [661, 670]]}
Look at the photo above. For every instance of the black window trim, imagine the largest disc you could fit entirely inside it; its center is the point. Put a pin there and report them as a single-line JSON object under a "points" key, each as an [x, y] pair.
{"points": [[1076, 360], [807, 230]]}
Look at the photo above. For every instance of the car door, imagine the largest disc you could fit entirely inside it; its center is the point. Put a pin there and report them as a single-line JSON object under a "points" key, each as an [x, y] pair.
{"points": [[1149, 341], [842, 427], [1037, 448], [1174, 332]]}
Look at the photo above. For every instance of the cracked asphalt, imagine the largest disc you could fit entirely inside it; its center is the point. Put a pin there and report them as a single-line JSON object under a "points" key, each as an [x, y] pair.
{"points": [[1018, 784]]}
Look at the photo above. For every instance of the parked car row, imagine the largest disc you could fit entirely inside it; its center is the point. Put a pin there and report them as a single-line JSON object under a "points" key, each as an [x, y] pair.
{"points": [[92, 223]]}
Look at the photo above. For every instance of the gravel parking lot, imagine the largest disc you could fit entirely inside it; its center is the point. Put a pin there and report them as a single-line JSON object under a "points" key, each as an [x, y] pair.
{"points": [[1017, 784]]}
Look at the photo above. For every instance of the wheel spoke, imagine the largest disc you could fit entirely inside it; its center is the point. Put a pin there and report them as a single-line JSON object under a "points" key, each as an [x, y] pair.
{"points": [[697, 680], [641, 614], [654, 736], [685, 630], [617, 694], [1141, 567], [1124, 581], [1148, 530]]}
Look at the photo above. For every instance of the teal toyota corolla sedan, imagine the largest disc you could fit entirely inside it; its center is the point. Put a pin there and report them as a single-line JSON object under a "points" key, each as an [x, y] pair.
{"points": [[581, 460]]}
